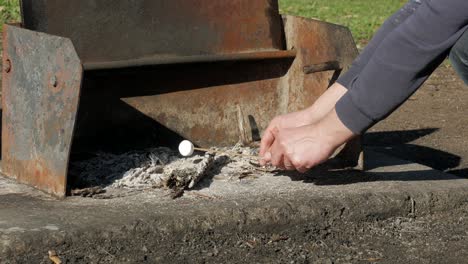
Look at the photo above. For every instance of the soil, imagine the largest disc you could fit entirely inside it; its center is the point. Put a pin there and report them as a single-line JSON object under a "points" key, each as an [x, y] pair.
{"points": [[440, 238], [431, 128]]}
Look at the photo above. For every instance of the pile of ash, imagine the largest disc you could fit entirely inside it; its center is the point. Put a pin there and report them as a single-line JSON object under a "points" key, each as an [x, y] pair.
{"points": [[160, 168]]}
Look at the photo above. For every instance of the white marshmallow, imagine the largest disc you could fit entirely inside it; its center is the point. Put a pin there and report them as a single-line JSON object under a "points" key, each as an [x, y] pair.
{"points": [[186, 148]]}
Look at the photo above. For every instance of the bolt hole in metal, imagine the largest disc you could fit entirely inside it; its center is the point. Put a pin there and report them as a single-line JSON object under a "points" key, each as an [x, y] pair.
{"points": [[54, 81], [7, 66]]}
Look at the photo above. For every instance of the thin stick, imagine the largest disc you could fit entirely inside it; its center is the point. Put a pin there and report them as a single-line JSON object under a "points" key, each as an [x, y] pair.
{"points": [[228, 153]]}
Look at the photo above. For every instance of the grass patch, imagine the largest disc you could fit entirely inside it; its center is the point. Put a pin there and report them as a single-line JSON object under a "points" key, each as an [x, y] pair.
{"points": [[363, 17], [9, 11]]}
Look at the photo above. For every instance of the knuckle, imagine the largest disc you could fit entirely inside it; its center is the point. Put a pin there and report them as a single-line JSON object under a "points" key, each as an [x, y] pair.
{"points": [[297, 162], [301, 170]]}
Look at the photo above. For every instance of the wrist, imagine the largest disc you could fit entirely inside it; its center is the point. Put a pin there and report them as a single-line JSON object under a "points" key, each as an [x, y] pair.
{"points": [[333, 131]]}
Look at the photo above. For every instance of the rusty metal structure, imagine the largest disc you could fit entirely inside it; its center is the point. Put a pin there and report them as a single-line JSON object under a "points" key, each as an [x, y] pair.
{"points": [[87, 75]]}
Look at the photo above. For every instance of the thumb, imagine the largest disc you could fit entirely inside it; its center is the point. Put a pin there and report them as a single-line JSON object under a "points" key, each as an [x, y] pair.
{"points": [[266, 158], [267, 140]]}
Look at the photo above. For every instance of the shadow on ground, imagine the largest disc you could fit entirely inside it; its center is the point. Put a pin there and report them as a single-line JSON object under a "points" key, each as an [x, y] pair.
{"points": [[397, 144], [392, 143]]}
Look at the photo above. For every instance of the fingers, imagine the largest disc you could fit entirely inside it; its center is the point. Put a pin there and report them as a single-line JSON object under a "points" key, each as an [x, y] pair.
{"points": [[267, 140], [265, 159], [288, 165], [277, 159], [277, 151]]}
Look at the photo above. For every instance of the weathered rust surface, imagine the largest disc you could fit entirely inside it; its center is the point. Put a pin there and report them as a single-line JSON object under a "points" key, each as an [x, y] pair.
{"points": [[165, 60], [113, 30], [202, 103], [316, 42], [320, 46], [215, 72], [40, 101]]}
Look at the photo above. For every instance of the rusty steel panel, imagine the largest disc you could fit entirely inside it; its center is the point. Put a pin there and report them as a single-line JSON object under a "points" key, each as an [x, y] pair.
{"points": [[325, 47], [113, 30], [158, 105], [41, 87], [204, 106], [318, 44], [214, 72], [165, 60]]}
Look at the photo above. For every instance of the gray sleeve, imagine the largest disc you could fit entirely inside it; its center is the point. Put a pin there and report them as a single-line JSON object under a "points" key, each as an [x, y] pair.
{"points": [[401, 62]]}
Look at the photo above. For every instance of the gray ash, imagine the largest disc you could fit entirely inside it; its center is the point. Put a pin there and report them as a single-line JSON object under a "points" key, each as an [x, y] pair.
{"points": [[159, 168]]}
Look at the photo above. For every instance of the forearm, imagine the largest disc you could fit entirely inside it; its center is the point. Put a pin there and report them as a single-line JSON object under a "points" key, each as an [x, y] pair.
{"points": [[325, 103], [328, 100], [333, 131], [402, 62], [388, 27]]}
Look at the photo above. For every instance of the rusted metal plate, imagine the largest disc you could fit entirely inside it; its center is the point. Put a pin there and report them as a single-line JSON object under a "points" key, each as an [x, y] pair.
{"points": [[317, 43], [215, 72], [320, 46], [150, 106], [201, 101], [165, 60], [113, 30], [41, 89], [202, 104]]}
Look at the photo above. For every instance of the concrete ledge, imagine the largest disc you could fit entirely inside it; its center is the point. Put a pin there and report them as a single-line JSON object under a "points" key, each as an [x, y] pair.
{"points": [[152, 227]]}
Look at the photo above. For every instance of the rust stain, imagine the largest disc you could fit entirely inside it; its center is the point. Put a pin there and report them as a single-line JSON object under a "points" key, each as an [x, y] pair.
{"points": [[35, 173], [200, 103], [39, 110]]}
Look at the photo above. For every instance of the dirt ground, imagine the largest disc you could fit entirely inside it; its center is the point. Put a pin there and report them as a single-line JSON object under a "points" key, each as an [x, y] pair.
{"points": [[431, 128], [439, 238]]}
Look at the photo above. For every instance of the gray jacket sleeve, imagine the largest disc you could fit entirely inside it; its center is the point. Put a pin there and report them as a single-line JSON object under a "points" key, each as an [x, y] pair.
{"points": [[401, 62]]}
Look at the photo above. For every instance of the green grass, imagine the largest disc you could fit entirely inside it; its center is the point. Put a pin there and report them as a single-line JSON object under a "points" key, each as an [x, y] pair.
{"points": [[9, 11], [363, 17]]}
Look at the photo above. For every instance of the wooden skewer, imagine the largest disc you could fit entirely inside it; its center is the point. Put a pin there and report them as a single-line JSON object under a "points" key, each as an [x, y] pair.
{"points": [[186, 149], [228, 153]]}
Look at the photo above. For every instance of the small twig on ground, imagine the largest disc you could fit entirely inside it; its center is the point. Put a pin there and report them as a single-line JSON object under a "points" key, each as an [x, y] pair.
{"points": [[201, 195], [277, 238], [372, 259], [177, 193], [250, 245], [53, 257], [88, 192], [245, 174], [258, 167], [107, 252]]}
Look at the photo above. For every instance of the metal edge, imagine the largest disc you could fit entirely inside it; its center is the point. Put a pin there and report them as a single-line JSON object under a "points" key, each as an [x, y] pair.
{"points": [[24, 170]]}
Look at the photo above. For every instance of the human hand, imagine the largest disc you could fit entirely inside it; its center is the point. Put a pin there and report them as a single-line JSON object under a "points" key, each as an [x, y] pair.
{"points": [[291, 120], [299, 148], [302, 148], [311, 115]]}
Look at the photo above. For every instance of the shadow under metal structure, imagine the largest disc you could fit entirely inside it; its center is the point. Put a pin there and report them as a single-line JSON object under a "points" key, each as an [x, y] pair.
{"points": [[87, 75]]}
